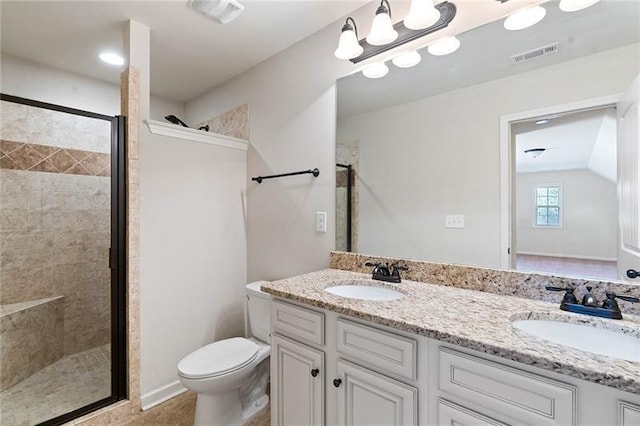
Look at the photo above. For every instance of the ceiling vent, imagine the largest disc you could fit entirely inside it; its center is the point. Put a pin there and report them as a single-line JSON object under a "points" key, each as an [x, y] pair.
{"points": [[223, 11], [534, 54]]}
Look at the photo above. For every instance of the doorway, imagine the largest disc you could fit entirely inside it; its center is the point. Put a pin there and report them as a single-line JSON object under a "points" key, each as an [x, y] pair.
{"points": [[552, 221]]}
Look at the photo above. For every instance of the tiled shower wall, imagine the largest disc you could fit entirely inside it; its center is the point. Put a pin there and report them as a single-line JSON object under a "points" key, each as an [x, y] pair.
{"points": [[55, 217]]}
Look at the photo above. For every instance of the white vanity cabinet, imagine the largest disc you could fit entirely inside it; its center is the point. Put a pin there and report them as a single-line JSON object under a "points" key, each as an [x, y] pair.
{"points": [[330, 369], [344, 378]]}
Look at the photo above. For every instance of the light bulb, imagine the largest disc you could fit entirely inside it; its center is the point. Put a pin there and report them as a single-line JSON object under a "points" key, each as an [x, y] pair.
{"points": [[407, 59], [525, 18], [348, 47], [377, 70], [575, 5], [422, 14], [444, 46], [382, 31]]}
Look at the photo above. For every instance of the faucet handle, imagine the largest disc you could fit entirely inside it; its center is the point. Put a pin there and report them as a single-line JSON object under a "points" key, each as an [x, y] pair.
{"points": [[611, 297], [371, 264], [398, 267], [569, 297]]}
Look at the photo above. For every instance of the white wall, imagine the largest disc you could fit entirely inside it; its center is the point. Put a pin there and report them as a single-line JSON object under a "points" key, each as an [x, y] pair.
{"points": [[192, 255], [589, 216], [46, 84], [292, 105], [440, 155]]}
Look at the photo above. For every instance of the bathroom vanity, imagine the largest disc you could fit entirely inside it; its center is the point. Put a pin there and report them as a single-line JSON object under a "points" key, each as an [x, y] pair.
{"points": [[437, 355]]}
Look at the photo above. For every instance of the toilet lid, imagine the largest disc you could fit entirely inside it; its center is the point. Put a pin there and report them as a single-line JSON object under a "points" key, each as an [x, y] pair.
{"points": [[218, 358]]}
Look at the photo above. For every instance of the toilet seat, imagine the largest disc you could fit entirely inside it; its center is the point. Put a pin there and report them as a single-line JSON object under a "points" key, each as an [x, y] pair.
{"points": [[218, 358]]}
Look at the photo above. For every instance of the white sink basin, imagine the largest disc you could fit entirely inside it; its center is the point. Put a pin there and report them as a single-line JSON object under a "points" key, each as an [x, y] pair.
{"points": [[365, 292], [584, 337]]}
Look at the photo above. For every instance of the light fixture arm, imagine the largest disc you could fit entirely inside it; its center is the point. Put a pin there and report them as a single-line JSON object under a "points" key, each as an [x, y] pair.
{"points": [[383, 9], [347, 26]]}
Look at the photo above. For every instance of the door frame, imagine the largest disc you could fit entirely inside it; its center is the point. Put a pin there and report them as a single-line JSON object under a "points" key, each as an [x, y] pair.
{"points": [[507, 166], [117, 255]]}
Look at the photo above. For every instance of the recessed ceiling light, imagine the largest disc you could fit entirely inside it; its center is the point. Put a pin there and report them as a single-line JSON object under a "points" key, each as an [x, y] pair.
{"points": [[111, 58], [542, 121], [407, 59], [575, 5], [525, 18], [444, 46], [377, 70]]}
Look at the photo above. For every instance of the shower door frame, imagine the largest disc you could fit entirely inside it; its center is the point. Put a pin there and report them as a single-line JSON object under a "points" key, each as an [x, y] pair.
{"points": [[117, 255]]}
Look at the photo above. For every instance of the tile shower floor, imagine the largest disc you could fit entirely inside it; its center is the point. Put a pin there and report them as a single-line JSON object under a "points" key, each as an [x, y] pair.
{"points": [[69, 383]]}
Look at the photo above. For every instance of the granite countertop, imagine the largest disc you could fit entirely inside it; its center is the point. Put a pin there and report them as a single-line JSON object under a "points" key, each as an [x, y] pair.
{"points": [[471, 319]]}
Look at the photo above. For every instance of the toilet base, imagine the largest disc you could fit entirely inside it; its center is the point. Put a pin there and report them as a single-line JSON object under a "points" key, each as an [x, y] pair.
{"points": [[250, 412], [218, 410]]}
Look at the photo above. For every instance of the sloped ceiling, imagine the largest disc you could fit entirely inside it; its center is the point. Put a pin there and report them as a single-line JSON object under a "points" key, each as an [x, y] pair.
{"points": [[582, 140]]}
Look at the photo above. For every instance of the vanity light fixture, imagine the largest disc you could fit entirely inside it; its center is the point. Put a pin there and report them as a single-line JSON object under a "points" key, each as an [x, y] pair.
{"points": [[348, 46], [111, 58], [542, 121], [382, 31], [422, 14], [525, 18], [534, 152], [444, 46], [407, 59], [376, 70], [386, 36], [575, 5]]}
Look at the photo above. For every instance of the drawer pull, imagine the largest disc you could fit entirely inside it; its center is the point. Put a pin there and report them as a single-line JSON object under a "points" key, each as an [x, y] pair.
{"points": [[315, 372], [337, 382]]}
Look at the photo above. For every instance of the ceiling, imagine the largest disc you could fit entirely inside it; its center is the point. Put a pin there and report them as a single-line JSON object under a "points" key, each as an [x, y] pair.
{"points": [[485, 51], [190, 53], [580, 140]]}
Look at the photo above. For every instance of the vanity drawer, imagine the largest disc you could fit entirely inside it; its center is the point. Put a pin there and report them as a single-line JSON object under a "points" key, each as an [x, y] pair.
{"points": [[377, 348], [295, 321], [515, 393], [453, 414]]}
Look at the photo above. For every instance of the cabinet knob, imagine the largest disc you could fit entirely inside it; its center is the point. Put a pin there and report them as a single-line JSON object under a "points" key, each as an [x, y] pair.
{"points": [[337, 382], [632, 273], [315, 372]]}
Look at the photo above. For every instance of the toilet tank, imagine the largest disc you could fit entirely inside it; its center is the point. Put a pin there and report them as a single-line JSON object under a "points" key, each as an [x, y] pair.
{"points": [[259, 311]]}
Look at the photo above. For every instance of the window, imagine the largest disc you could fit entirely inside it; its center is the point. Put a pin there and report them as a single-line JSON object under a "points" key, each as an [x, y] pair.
{"points": [[548, 200]]}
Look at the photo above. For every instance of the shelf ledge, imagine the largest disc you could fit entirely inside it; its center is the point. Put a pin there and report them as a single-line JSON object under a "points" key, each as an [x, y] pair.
{"points": [[172, 130]]}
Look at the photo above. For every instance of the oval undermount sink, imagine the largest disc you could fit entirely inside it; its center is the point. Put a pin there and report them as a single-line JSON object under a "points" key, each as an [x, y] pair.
{"points": [[365, 292], [614, 344]]}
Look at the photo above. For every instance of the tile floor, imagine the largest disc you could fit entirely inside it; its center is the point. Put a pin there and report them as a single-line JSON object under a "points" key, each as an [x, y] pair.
{"points": [[69, 383], [82, 378], [598, 269]]}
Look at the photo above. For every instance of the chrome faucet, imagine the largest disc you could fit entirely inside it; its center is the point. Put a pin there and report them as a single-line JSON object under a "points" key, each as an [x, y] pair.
{"points": [[390, 274]]}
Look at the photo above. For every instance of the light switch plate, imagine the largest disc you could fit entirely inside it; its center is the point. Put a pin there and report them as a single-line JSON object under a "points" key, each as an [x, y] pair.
{"points": [[454, 221], [321, 221]]}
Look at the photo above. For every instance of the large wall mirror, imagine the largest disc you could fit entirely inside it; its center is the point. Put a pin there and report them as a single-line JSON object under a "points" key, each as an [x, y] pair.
{"points": [[426, 146]]}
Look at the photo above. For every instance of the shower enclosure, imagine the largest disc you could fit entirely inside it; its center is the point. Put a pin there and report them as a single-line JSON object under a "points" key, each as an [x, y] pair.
{"points": [[62, 235]]}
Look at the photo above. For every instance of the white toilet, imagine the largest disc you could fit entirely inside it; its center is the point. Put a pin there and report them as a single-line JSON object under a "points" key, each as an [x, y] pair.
{"points": [[230, 376]]}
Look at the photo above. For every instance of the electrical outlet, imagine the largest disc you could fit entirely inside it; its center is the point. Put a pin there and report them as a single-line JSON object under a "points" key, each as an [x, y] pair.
{"points": [[321, 221], [454, 221]]}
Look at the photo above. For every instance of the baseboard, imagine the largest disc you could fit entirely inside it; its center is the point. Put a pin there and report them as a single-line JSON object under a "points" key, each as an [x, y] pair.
{"points": [[568, 256], [160, 395]]}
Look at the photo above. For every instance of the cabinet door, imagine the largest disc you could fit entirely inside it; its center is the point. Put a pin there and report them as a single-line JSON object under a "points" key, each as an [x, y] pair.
{"points": [[297, 384], [367, 398]]}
